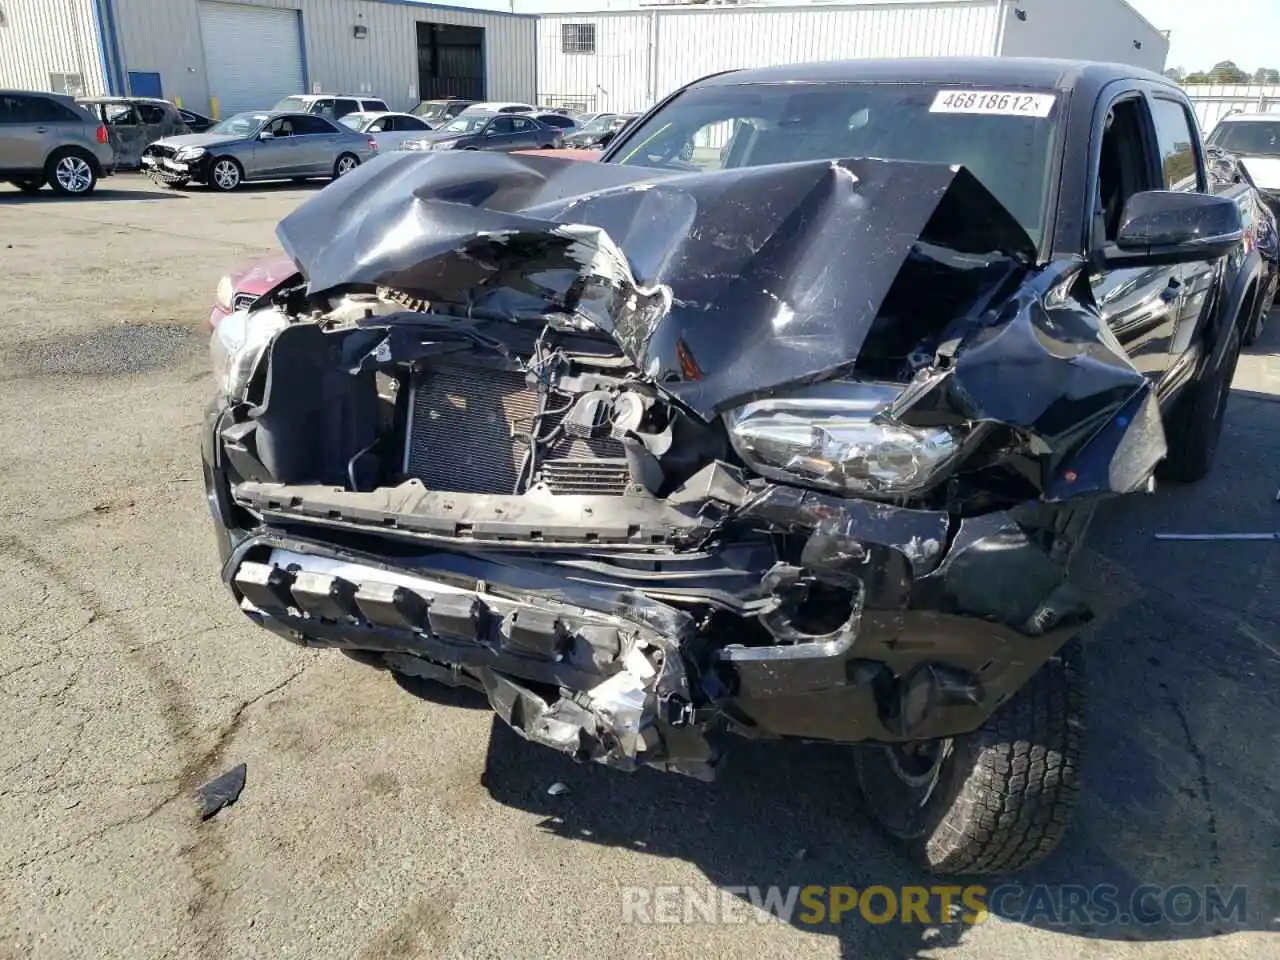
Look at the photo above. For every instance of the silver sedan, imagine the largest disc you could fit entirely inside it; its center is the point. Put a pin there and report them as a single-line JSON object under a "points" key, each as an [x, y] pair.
{"points": [[259, 146], [387, 130]]}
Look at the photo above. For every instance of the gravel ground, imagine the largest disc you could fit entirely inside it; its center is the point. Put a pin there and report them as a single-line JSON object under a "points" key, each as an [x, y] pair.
{"points": [[377, 825]]}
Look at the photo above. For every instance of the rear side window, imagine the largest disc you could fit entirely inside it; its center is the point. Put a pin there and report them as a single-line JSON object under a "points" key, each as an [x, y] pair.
{"points": [[12, 110], [43, 110], [309, 123], [151, 113], [375, 106], [342, 107], [1177, 138]]}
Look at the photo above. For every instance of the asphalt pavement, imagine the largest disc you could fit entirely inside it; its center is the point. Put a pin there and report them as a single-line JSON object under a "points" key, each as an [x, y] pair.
{"points": [[374, 824]]}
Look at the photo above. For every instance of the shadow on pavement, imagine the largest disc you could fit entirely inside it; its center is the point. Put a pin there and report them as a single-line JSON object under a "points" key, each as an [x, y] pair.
{"points": [[102, 194], [1178, 835]]}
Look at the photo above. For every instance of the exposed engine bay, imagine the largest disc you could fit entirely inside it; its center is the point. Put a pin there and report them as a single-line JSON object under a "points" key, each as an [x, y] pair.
{"points": [[644, 473]]}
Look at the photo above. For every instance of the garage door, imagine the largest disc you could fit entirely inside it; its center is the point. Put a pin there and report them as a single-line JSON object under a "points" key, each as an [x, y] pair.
{"points": [[252, 54]]}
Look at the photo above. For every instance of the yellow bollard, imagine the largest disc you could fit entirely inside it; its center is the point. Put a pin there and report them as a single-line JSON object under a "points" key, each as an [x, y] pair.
{"points": [[213, 107]]}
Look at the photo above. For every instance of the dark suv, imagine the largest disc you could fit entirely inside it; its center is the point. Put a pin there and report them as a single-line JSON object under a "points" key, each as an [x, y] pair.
{"points": [[47, 138]]}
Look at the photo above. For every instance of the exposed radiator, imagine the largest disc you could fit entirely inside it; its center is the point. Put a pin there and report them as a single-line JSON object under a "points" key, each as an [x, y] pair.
{"points": [[467, 434]]}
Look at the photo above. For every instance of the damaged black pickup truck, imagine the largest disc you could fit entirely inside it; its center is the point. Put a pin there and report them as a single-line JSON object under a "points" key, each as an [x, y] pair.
{"points": [[784, 420]]}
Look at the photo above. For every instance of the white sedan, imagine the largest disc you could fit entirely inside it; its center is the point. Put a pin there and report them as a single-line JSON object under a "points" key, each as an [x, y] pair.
{"points": [[387, 130]]}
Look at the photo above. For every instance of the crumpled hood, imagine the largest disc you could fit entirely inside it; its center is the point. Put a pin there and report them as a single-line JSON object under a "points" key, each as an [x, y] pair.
{"points": [[720, 286], [199, 140]]}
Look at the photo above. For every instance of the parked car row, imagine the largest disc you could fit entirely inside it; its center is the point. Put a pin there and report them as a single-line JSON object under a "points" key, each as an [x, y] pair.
{"points": [[69, 144]]}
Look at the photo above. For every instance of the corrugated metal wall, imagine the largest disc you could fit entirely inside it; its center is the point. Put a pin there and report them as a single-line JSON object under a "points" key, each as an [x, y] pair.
{"points": [[39, 38], [641, 56], [1213, 101], [1083, 29], [164, 35]]}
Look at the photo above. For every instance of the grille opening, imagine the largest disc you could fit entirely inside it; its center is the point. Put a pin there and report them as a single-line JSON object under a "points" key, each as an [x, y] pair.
{"points": [[468, 432]]}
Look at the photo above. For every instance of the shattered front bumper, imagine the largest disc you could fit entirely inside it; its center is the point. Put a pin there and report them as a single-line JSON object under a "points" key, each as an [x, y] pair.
{"points": [[647, 655]]}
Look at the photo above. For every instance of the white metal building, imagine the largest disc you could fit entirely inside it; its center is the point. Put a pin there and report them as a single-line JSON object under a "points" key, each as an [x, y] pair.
{"points": [[625, 59], [229, 56]]}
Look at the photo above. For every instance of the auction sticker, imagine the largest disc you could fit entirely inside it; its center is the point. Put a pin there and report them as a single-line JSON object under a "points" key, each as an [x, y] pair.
{"points": [[993, 103]]}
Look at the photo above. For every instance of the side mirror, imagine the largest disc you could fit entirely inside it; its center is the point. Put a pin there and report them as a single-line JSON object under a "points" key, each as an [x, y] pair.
{"points": [[1168, 227], [266, 135]]}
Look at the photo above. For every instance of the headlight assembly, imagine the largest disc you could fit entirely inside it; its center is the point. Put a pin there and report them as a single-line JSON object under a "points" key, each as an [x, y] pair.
{"points": [[833, 435], [189, 153], [238, 345], [224, 294]]}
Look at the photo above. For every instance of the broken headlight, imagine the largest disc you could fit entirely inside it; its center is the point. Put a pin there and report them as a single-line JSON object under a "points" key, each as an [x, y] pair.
{"points": [[225, 293], [834, 435], [237, 346]]}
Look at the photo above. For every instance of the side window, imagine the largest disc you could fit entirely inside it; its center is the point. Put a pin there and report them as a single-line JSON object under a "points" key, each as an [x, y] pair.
{"points": [[41, 110], [120, 115], [322, 106], [151, 113], [521, 125], [376, 106], [342, 107], [410, 123], [1177, 140], [311, 124], [12, 110], [1123, 169], [501, 125], [282, 127], [379, 126]]}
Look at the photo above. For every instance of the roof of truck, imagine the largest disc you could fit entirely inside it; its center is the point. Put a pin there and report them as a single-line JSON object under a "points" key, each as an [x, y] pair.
{"points": [[1008, 71]]}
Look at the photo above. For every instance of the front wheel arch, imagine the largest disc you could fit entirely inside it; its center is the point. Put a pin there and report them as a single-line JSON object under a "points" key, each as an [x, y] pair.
{"points": [[337, 164], [213, 166]]}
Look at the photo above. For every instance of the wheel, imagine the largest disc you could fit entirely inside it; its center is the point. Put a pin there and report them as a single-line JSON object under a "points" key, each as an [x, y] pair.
{"points": [[1194, 424], [225, 174], [71, 174], [994, 801], [346, 163], [1260, 323], [29, 186]]}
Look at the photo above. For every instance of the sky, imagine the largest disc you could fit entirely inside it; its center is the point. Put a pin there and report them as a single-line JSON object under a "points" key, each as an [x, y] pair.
{"points": [[1202, 34]]}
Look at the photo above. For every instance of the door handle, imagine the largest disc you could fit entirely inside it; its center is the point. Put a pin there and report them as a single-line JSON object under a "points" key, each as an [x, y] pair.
{"points": [[42, 129]]}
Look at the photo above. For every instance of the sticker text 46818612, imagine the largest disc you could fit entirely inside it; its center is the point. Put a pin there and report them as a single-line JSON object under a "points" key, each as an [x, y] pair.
{"points": [[993, 103]]}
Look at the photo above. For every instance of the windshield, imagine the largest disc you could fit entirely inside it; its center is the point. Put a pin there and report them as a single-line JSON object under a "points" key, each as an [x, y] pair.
{"points": [[472, 123], [1253, 138], [602, 124], [290, 105], [240, 124], [354, 120], [1005, 139], [431, 109]]}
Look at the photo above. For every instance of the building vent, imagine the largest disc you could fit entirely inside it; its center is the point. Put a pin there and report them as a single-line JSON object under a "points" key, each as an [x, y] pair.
{"points": [[577, 38]]}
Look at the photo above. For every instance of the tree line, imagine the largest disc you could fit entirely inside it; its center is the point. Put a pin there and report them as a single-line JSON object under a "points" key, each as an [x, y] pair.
{"points": [[1225, 72]]}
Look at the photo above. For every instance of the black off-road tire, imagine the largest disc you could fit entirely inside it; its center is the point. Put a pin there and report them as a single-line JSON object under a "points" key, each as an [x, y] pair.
{"points": [[1194, 425], [1259, 324], [1003, 797]]}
